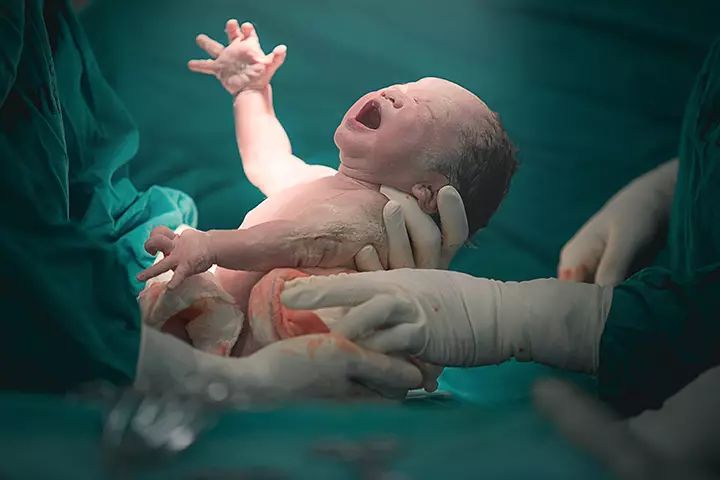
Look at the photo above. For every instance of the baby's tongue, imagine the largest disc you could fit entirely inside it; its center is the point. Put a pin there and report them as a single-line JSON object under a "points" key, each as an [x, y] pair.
{"points": [[369, 115]]}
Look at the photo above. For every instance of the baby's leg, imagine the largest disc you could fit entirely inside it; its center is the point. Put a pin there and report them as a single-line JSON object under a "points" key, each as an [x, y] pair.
{"points": [[238, 284], [197, 311], [269, 320]]}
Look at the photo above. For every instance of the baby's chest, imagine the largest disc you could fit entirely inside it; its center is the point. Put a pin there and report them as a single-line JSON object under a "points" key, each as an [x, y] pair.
{"points": [[317, 203]]}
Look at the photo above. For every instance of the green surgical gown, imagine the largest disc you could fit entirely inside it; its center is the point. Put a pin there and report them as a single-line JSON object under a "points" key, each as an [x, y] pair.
{"points": [[664, 324], [72, 223]]}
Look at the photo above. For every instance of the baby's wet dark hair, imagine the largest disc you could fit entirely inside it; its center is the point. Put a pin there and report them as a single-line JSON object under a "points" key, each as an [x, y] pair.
{"points": [[480, 169]]}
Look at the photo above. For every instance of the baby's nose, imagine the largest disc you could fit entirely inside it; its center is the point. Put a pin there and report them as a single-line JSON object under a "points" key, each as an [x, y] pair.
{"points": [[394, 97]]}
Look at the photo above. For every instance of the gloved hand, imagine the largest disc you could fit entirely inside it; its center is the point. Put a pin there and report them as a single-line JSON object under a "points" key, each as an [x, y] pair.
{"points": [[242, 65], [449, 318], [414, 240], [681, 440], [604, 248], [323, 365]]}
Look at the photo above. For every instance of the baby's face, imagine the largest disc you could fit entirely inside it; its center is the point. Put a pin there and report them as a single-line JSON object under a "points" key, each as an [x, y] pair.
{"points": [[387, 134]]}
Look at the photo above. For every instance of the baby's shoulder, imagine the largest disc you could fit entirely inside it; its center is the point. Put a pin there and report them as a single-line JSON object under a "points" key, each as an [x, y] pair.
{"points": [[363, 199]]}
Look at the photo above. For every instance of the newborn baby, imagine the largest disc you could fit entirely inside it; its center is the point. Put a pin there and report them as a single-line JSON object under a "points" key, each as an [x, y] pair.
{"points": [[416, 137]]}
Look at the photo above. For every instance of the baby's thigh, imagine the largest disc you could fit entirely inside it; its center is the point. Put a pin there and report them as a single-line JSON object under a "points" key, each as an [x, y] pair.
{"points": [[238, 284]]}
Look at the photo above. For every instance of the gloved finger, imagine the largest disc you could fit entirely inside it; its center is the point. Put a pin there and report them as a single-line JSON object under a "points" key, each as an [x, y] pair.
{"points": [[276, 59], [395, 339], [453, 223], [181, 273], [384, 372], [579, 258], [368, 260], [202, 66], [379, 312], [591, 426], [425, 236], [430, 374], [212, 47], [159, 243], [616, 260], [232, 29], [167, 263], [330, 291], [248, 30], [164, 231], [400, 254]]}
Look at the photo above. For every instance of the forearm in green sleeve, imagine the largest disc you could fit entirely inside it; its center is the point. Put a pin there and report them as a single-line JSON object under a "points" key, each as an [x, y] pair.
{"points": [[659, 335]]}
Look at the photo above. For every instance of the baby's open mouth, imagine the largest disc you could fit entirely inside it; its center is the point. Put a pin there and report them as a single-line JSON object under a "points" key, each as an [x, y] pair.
{"points": [[369, 115]]}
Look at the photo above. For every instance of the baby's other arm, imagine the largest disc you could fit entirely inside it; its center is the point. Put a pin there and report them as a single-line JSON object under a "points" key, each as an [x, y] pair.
{"points": [[325, 235]]}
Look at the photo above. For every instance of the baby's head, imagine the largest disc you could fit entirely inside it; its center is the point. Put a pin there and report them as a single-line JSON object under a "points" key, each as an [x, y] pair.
{"points": [[421, 136]]}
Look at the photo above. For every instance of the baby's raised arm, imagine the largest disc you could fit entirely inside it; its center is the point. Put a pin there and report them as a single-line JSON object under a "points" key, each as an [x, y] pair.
{"points": [[245, 72]]}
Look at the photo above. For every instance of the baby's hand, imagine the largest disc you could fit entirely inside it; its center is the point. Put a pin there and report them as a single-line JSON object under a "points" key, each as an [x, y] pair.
{"points": [[242, 65], [187, 254]]}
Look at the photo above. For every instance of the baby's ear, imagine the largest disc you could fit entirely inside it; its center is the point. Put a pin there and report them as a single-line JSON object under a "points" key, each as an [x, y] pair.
{"points": [[426, 197]]}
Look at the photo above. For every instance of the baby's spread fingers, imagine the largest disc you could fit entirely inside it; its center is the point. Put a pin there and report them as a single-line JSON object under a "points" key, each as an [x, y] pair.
{"points": [[181, 273], [212, 47], [202, 66], [232, 29], [164, 231], [277, 57], [168, 263], [158, 243], [248, 30]]}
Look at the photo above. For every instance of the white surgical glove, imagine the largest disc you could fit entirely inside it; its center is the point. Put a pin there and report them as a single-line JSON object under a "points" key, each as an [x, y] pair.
{"points": [[414, 240], [681, 440], [318, 366], [449, 318], [604, 248]]}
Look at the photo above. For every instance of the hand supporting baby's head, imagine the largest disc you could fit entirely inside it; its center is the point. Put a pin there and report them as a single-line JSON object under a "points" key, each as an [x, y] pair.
{"points": [[421, 136]]}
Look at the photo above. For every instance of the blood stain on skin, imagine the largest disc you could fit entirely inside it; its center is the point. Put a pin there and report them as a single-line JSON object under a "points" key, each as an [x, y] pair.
{"points": [[566, 273]]}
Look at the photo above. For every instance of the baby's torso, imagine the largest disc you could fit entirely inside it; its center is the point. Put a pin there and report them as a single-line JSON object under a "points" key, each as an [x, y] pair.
{"points": [[351, 202], [335, 198]]}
